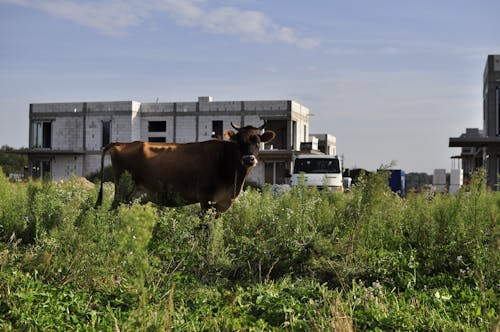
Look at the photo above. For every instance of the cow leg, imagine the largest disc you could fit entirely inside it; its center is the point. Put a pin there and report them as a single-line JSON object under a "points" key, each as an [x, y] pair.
{"points": [[203, 226], [222, 206], [205, 206], [116, 200], [117, 197]]}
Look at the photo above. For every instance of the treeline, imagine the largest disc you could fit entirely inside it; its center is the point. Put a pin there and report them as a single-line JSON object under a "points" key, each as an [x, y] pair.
{"points": [[12, 162], [417, 180]]}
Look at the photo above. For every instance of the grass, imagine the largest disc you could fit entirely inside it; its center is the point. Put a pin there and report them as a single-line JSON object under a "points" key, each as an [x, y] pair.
{"points": [[299, 261]]}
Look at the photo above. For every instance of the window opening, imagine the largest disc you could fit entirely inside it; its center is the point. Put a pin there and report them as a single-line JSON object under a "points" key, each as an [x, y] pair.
{"points": [[157, 139], [157, 126], [217, 129], [106, 133], [41, 134], [41, 169]]}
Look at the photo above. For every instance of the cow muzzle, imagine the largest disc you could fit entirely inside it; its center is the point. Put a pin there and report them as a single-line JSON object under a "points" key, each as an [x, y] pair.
{"points": [[249, 160]]}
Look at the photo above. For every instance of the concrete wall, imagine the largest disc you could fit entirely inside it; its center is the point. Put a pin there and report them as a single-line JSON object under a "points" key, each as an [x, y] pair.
{"points": [[266, 105], [168, 134], [185, 129], [136, 121], [221, 106], [92, 163], [300, 114], [63, 167], [157, 108], [250, 120], [57, 107], [93, 131], [205, 124], [67, 133]]}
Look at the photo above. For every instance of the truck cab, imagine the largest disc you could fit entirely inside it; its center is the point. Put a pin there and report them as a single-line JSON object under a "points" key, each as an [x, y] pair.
{"points": [[321, 171]]}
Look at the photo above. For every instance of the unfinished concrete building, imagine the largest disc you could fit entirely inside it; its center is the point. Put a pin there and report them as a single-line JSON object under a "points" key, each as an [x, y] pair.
{"points": [[481, 148], [66, 138]]}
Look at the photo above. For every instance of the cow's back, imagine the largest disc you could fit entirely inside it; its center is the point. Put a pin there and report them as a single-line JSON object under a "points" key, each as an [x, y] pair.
{"points": [[177, 174]]}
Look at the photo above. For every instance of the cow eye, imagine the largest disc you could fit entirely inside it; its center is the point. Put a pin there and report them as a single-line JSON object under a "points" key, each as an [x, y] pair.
{"points": [[254, 139]]}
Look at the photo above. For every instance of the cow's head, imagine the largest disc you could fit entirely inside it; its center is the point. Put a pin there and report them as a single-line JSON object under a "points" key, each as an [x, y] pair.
{"points": [[248, 140]]}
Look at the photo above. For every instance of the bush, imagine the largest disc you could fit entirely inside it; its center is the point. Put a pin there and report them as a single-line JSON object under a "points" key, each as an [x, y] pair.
{"points": [[14, 221], [298, 260]]}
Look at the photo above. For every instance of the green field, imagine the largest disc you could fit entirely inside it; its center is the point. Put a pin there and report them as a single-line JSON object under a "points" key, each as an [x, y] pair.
{"points": [[305, 260]]}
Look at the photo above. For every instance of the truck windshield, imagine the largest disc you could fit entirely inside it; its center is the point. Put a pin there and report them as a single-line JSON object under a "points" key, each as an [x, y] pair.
{"points": [[316, 165]]}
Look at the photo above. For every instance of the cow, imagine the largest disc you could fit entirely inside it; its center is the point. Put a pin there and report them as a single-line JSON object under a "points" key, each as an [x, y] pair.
{"points": [[211, 172]]}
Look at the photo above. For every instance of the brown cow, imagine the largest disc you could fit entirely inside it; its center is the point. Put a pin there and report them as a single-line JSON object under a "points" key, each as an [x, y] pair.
{"points": [[211, 172]]}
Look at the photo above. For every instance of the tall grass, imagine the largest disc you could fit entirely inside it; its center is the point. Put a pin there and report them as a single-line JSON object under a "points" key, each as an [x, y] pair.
{"points": [[301, 260]]}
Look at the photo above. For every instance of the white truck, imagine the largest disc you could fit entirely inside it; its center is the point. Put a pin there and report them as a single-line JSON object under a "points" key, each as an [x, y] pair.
{"points": [[322, 171]]}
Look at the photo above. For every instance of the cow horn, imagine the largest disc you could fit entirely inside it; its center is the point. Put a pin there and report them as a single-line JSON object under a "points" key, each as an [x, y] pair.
{"points": [[235, 126], [262, 127]]}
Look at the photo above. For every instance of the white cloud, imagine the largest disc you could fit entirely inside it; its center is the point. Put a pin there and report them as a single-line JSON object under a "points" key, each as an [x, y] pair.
{"points": [[109, 17], [115, 16]]}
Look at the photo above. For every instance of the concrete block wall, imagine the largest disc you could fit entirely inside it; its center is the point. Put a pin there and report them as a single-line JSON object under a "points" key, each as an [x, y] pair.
{"points": [[93, 131], [156, 112], [220, 106], [186, 107], [63, 167], [185, 129], [250, 120], [168, 134], [205, 125], [121, 114], [439, 179], [300, 114], [327, 143], [121, 130], [299, 108], [67, 133], [157, 107], [92, 163], [57, 107], [456, 179], [68, 121], [110, 106], [136, 121], [302, 132], [270, 105]]}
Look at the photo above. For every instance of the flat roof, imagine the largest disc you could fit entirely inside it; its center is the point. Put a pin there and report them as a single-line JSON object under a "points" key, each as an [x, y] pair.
{"points": [[480, 141]]}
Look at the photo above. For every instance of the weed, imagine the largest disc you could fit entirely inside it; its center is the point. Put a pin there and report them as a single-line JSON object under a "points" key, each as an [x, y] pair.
{"points": [[299, 260]]}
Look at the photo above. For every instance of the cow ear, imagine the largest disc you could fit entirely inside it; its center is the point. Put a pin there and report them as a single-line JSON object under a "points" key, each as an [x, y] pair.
{"points": [[228, 134], [267, 136]]}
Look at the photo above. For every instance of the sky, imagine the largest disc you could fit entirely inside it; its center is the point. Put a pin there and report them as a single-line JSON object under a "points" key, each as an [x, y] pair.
{"points": [[391, 79]]}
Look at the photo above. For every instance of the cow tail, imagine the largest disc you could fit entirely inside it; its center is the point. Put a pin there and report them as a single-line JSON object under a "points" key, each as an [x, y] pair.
{"points": [[103, 155]]}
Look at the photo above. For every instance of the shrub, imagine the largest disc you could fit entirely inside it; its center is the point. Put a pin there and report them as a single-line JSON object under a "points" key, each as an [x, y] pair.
{"points": [[14, 221], [303, 259]]}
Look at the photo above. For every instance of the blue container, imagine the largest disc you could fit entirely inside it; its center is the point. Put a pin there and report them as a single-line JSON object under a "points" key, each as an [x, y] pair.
{"points": [[397, 181]]}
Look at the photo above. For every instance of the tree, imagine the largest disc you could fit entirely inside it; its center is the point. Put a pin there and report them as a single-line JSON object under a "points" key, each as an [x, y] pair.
{"points": [[12, 162], [417, 180]]}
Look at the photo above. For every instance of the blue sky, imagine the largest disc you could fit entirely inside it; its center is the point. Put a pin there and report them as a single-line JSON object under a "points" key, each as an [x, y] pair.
{"points": [[392, 80]]}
